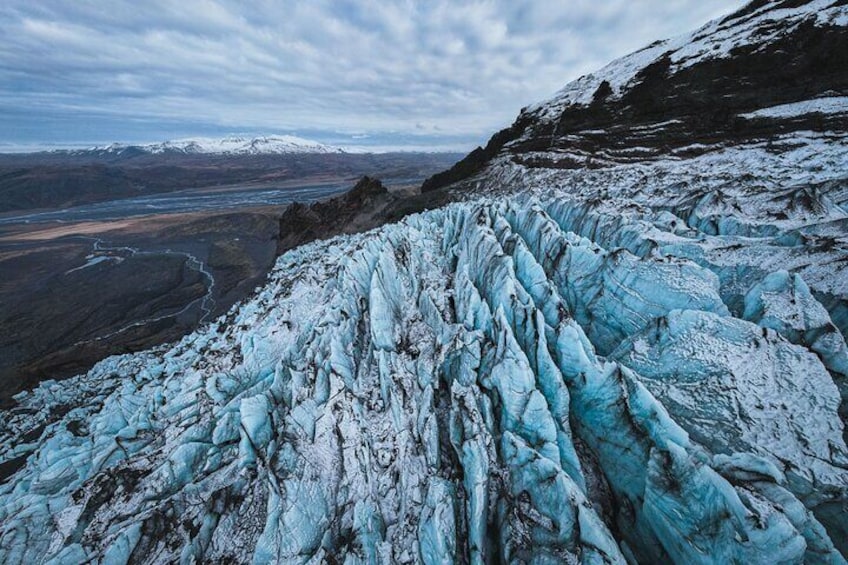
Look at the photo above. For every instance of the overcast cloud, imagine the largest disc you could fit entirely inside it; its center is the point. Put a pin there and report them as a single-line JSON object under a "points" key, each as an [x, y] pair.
{"points": [[367, 72]]}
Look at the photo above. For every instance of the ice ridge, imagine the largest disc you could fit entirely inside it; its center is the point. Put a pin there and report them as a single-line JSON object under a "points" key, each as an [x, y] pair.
{"points": [[476, 383]]}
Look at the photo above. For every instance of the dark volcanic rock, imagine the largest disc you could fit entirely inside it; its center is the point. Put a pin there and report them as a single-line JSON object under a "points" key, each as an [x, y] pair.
{"points": [[368, 205], [477, 159], [363, 207]]}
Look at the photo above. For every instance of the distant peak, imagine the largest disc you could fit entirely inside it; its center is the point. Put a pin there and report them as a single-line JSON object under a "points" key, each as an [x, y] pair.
{"points": [[230, 145]]}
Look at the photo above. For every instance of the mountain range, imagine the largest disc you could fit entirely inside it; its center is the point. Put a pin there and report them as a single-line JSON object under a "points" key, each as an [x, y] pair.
{"points": [[231, 145]]}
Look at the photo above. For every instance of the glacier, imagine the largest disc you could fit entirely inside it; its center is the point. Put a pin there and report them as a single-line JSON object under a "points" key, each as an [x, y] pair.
{"points": [[642, 363]]}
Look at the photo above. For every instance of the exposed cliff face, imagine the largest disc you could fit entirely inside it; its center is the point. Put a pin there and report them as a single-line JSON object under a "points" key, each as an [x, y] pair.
{"points": [[690, 95], [362, 208]]}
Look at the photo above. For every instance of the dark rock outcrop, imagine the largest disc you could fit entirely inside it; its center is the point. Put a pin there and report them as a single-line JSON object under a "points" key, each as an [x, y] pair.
{"points": [[477, 159], [359, 209], [367, 205]]}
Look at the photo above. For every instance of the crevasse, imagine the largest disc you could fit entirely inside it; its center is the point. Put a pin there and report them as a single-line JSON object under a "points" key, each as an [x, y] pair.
{"points": [[526, 379]]}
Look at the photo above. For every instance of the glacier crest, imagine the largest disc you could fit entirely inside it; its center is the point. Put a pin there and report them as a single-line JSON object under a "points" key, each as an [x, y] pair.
{"points": [[529, 380]]}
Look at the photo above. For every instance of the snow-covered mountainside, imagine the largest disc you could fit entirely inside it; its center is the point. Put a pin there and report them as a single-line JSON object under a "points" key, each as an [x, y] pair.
{"points": [[232, 145], [642, 360], [773, 67], [760, 26]]}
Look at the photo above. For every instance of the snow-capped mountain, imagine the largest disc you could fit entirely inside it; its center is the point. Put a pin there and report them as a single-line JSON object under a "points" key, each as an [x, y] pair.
{"points": [[625, 343], [771, 68], [758, 29], [232, 145]]}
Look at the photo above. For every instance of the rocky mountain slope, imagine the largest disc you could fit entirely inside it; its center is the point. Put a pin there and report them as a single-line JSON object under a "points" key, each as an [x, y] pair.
{"points": [[771, 68], [636, 357]]}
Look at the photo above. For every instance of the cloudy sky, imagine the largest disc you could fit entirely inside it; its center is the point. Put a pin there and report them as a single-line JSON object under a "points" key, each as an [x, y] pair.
{"points": [[381, 73]]}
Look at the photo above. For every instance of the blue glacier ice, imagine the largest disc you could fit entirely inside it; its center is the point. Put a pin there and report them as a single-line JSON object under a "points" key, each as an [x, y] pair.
{"points": [[529, 375]]}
